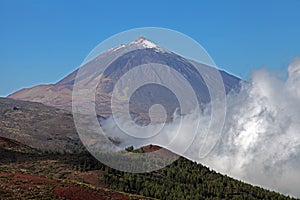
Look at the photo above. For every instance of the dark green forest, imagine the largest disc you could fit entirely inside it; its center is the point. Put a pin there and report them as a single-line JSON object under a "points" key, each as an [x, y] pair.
{"points": [[183, 179]]}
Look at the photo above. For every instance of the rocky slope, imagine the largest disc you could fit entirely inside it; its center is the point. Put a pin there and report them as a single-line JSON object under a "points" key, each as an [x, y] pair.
{"points": [[38, 125]]}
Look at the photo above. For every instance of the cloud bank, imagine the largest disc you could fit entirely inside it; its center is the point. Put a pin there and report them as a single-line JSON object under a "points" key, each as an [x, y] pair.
{"points": [[260, 141], [261, 136]]}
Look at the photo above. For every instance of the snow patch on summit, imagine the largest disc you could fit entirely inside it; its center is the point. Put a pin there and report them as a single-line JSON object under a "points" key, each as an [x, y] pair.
{"points": [[119, 47], [145, 43], [140, 43]]}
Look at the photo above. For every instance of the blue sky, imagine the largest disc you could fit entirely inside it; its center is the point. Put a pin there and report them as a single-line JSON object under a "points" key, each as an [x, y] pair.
{"points": [[41, 41]]}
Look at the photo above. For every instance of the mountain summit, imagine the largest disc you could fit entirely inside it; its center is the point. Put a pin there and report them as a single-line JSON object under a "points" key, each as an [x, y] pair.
{"points": [[139, 43], [145, 43]]}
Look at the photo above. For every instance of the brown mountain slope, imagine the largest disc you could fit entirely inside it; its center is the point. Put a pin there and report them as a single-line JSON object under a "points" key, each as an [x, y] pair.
{"points": [[37, 125]]}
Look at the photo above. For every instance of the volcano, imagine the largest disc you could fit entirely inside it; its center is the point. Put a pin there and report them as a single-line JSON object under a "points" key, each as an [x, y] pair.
{"points": [[139, 52]]}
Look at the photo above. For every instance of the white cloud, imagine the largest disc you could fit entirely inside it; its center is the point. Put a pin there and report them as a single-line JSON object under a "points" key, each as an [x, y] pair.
{"points": [[260, 142]]}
